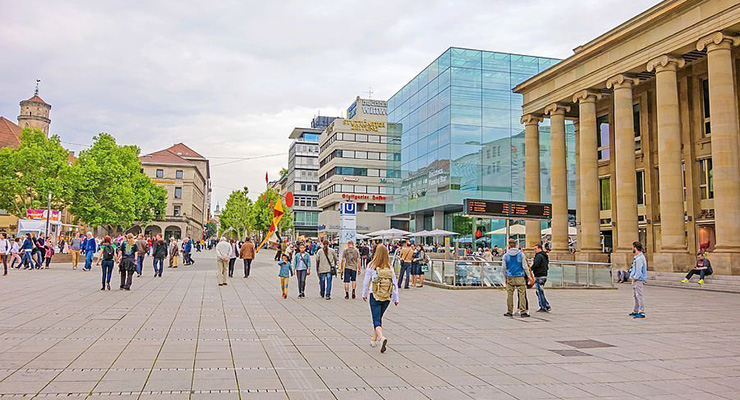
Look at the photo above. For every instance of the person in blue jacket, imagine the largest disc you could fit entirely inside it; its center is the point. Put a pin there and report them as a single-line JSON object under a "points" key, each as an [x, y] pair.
{"points": [[26, 249], [90, 248]]}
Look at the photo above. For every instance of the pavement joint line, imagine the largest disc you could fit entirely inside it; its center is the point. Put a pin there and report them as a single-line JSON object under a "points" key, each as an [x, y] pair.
{"points": [[228, 337]]}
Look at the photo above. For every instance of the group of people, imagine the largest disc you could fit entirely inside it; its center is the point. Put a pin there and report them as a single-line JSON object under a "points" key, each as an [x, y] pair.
{"points": [[30, 252], [227, 251]]}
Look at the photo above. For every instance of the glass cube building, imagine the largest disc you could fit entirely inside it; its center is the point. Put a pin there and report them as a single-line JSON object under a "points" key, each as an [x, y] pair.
{"points": [[457, 125]]}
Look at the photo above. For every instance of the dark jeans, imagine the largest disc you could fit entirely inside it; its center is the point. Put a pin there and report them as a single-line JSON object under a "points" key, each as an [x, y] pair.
{"points": [[126, 278], [377, 309], [539, 285], [247, 266], [702, 273], [278, 254], [4, 258], [301, 275], [160, 261], [231, 266], [39, 257], [325, 280], [405, 269], [140, 264], [48, 261], [107, 267]]}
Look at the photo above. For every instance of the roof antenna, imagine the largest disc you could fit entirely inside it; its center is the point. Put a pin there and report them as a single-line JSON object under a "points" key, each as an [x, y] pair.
{"points": [[36, 92], [370, 93]]}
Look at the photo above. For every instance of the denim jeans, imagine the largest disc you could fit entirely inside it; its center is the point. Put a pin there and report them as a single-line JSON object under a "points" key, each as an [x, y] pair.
{"points": [[160, 261], [140, 264], [88, 260], [405, 269], [377, 309], [301, 276], [107, 267], [26, 260], [539, 285], [325, 279]]}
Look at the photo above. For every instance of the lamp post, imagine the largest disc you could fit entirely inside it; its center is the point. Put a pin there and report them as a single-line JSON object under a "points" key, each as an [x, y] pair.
{"points": [[48, 215]]}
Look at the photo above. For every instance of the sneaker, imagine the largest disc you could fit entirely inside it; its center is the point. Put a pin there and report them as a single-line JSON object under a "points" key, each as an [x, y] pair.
{"points": [[525, 315], [542, 310], [383, 345], [372, 343], [633, 313], [701, 281], [639, 316], [328, 297], [285, 296], [684, 280], [346, 295], [353, 294], [508, 314]]}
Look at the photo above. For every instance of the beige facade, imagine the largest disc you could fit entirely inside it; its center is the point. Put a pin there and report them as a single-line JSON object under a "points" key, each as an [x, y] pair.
{"points": [[656, 105], [185, 175]]}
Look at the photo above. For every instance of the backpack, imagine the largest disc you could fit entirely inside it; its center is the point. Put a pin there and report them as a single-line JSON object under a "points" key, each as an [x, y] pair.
{"points": [[383, 284], [108, 252], [425, 259]]}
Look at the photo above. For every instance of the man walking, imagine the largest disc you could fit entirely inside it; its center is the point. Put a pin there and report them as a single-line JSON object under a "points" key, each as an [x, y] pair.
{"points": [[247, 254], [540, 267], [350, 267], [407, 255], [514, 264], [159, 252], [75, 248], [90, 248], [223, 254], [142, 249], [638, 275]]}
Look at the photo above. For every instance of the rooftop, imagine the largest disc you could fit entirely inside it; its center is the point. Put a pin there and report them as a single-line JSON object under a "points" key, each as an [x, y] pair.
{"points": [[10, 133]]}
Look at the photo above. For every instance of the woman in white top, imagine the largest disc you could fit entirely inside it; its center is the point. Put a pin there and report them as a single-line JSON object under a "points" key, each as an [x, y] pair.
{"points": [[15, 249], [381, 286]]}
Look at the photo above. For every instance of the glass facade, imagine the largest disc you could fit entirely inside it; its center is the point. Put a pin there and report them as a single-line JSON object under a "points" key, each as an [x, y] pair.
{"points": [[457, 127]]}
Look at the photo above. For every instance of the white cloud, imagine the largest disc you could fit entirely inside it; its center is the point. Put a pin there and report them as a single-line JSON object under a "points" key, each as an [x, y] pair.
{"points": [[232, 78]]}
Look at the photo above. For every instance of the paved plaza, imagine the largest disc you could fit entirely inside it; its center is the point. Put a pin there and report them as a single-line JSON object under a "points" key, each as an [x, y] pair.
{"points": [[183, 337]]}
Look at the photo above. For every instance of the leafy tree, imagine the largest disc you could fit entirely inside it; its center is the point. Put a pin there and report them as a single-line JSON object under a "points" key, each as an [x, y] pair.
{"points": [[110, 188], [29, 172], [237, 215], [263, 212]]}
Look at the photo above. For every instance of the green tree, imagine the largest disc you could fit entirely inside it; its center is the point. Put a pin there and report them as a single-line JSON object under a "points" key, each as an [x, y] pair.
{"points": [[211, 229], [237, 216], [263, 212], [110, 189], [29, 172]]}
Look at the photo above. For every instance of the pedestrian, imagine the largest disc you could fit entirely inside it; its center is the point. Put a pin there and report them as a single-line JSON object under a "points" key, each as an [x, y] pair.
{"points": [[187, 250], [223, 255], [514, 263], [174, 252], [380, 287], [540, 267], [27, 251], [5, 248], [75, 248], [108, 254], [48, 253], [15, 249], [326, 267], [233, 255], [703, 267], [142, 249], [350, 268], [407, 255], [422, 260], [90, 248], [286, 271], [127, 254], [159, 253], [638, 275], [247, 254], [302, 265]]}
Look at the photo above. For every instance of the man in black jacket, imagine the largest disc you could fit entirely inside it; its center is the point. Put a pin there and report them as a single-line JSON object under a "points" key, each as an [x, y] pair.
{"points": [[539, 269], [159, 252]]}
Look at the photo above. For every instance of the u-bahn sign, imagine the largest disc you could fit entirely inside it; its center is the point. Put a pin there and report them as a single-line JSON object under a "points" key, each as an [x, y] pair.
{"points": [[506, 209]]}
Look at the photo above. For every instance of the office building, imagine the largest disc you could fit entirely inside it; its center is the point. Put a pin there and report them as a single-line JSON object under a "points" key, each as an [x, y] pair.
{"points": [[303, 179], [461, 137], [353, 167], [656, 100]]}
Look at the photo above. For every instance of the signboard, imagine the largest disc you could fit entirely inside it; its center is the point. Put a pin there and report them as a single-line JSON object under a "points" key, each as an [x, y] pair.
{"points": [[347, 224], [40, 214], [507, 209]]}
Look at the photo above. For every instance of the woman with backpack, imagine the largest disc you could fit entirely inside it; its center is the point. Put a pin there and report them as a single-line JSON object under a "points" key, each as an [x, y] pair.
{"points": [[108, 253], [381, 287], [326, 267], [127, 261]]}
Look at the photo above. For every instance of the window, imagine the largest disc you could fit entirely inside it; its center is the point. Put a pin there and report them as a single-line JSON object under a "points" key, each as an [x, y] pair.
{"points": [[636, 118], [640, 181], [605, 189], [178, 174], [178, 211], [602, 124], [706, 180], [371, 207], [178, 192], [160, 173], [707, 128]]}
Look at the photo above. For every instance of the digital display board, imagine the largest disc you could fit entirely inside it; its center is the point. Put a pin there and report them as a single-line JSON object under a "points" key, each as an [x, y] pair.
{"points": [[507, 209]]}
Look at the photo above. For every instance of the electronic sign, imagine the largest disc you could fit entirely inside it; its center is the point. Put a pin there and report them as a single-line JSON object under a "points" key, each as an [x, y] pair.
{"points": [[507, 209]]}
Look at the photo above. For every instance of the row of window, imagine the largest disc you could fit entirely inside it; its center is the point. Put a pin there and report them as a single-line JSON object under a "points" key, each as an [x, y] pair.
{"points": [[305, 218], [178, 174], [359, 138], [307, 187], [306, 201], [356, 171], [361, 155], [361, 189], [306, 161], [306, 148], [306, 174]]}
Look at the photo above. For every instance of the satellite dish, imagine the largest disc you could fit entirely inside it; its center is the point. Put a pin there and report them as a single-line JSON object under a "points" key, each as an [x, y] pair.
{"points": [[289, 199]]}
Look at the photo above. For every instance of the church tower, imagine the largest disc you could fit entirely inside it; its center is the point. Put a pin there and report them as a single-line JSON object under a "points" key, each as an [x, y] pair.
{"points": [[35, 113]]}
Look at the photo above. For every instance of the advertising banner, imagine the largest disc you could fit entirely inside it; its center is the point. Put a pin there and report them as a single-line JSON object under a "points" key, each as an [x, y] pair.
{"points": [[39, 214]]}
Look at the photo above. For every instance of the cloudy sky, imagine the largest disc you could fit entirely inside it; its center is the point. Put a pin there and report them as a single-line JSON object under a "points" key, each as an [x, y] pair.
{"points": [[232, 78]]}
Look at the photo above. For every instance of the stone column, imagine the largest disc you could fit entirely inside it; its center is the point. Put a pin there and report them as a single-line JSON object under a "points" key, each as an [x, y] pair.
{"points": [[588, 172], [725, 162], [576, 131], [672, 225], [558, 177], [532, 173], [624, 161], [438, 221]]}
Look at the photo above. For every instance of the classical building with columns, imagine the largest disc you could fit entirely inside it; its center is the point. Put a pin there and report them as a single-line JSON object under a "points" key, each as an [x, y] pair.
{"points": [[655, 102]]}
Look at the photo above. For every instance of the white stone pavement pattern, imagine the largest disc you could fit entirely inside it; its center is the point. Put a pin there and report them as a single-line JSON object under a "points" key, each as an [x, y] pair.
{"points": [[183, 337]]}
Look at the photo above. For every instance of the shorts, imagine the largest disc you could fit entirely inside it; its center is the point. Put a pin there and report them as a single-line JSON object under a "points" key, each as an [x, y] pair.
{"points": [[350, 275]]}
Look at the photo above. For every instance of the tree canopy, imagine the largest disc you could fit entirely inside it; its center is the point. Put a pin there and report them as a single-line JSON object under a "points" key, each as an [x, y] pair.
{"points": [[242, 216]]}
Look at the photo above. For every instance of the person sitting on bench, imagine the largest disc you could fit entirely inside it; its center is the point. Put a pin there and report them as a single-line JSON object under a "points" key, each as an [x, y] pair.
{"points": [[703, 268]]}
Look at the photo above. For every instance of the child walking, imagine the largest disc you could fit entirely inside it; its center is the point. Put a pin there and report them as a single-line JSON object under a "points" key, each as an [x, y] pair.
{"points": [[286, 271]]}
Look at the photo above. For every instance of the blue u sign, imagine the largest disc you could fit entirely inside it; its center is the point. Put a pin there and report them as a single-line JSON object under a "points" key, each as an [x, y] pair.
{"points": [[348, 209]]}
